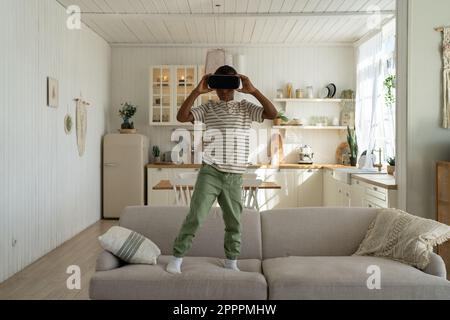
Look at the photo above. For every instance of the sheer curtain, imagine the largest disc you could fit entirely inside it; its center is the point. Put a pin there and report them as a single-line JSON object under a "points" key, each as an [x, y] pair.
{"points": [[374, 119]]}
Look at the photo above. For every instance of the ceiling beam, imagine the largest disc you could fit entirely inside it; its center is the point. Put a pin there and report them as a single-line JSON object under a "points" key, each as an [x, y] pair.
{"points": [[184, 16]]}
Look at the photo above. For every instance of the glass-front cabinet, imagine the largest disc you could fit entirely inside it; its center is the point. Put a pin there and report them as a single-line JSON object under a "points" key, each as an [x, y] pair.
{"points": [[161, 95], [204, 98], [186, 81], [170, 85]]}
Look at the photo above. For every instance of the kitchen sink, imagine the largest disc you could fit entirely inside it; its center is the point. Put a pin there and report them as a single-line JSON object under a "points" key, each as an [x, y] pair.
{"points": [[345, 174]]}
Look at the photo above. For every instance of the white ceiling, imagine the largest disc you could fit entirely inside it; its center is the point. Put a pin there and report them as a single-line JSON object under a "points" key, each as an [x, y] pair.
{"points": [[235, 22]]}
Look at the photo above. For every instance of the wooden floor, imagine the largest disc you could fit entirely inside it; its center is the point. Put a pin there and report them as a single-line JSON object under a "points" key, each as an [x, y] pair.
{"points": [[46, 278]]}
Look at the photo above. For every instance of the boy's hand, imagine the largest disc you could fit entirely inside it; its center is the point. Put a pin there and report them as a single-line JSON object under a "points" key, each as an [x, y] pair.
{"points": [[247, 86], [202, 87]]}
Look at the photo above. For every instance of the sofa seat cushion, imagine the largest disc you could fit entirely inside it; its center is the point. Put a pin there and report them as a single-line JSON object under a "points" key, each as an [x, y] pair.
{"points": [[201, 279], [298, 278]]}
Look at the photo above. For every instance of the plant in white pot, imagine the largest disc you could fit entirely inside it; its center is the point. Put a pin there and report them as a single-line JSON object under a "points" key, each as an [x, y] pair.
{"points": [[156, 154], [127, 112]]}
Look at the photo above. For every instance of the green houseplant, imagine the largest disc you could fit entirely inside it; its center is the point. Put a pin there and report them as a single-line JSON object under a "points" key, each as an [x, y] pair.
{"points": [[281, 118], [156, 153], [127, 112], [391, 166], [352, 141]]}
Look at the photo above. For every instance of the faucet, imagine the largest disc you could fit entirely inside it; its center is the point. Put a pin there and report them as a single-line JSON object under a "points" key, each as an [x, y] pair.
{"points": [[378, 165]]}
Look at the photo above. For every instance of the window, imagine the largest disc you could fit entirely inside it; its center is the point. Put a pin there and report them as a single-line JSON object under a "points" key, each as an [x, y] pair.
{"points": [[375, 97]]}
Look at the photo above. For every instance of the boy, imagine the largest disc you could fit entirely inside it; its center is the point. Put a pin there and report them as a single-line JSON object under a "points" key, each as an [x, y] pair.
{"points": [[220, 177]]}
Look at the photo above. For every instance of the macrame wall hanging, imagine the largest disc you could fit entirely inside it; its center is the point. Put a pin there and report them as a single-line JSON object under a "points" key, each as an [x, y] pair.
{"points": [[446, 75], [81, 125]]}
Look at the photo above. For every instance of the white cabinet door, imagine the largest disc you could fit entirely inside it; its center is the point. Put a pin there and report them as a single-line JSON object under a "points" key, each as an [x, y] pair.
{"points": [[309, 188], [330, 190], [277, 199], [357, 192], [157, 197]]}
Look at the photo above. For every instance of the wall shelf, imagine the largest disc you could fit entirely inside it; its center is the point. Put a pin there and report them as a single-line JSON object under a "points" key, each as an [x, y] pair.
{"points": [[313, 100], [310, 127]]}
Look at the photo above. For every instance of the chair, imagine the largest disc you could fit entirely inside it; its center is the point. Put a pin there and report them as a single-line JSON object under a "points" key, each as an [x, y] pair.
{"points": [[250, 195], [183, 186]]}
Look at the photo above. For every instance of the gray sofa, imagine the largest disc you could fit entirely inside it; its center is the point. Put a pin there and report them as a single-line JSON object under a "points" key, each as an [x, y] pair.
{"points": [[301, 253]]}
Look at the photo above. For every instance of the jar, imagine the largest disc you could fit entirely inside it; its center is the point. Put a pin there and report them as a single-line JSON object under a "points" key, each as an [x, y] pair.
{"points": [[289, 91], [280, 94], [299, 93], [310, 90]]}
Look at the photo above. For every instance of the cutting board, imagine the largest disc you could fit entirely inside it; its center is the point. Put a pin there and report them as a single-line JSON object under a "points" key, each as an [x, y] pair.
{"points": [[276, 151]]}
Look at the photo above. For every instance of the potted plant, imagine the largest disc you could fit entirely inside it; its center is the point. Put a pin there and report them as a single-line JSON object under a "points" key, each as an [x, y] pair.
{"points": [[126, 113], [280, 119], [391, 166], [156, 153], [352, 141]]}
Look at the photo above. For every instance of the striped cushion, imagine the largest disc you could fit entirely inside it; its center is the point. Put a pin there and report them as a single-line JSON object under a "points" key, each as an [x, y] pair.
{"points": [[129, 246]]}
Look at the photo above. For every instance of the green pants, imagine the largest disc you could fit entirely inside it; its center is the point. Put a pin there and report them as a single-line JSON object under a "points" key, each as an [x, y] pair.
{"points": [[211, 184]]}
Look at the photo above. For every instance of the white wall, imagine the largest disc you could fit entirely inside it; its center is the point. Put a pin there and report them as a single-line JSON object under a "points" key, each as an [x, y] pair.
{"points": [[269, 68], [47, 192], [427, 142]]}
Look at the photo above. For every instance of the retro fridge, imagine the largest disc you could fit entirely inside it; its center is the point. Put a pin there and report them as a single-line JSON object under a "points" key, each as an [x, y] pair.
{"points": [[124, 159]]}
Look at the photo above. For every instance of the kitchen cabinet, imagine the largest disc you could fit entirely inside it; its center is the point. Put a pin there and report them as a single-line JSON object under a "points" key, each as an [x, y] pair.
{"points": [[357, 193], [170, 85], [309, 188], [162, 197], [443, 206], [286, 197]]}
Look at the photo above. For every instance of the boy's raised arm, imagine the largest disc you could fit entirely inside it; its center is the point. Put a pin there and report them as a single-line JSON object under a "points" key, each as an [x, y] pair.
{"points": [[270, 112], [184, 114]]}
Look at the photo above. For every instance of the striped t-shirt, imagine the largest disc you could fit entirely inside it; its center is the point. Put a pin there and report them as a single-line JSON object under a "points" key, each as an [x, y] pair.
{"points": [[226, 140]]}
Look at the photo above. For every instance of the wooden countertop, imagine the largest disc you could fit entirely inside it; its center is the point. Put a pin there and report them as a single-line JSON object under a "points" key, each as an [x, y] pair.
{"points": [[166, 185], [380, 180], [253, 166]]}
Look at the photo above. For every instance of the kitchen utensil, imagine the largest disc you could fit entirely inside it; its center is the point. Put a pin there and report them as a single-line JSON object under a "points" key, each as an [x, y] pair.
{"points": [[324, 93], [332, 88], [305, 155]]}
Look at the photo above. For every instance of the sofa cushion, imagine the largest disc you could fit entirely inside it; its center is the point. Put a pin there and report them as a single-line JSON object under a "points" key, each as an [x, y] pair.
{"points": [[314, 231], [333, 278], [162, 224], [201, 279]]}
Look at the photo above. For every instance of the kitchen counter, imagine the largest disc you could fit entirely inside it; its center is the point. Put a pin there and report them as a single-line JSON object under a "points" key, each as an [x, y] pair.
{"points": [[254, 166], [380, 180]]}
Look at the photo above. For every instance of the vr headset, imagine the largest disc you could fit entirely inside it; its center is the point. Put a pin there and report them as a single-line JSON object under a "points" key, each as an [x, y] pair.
{"points": [[216, 81]]}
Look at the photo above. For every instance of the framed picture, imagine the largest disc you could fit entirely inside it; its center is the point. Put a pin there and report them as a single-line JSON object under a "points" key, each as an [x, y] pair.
{"points": [[52, 93]]}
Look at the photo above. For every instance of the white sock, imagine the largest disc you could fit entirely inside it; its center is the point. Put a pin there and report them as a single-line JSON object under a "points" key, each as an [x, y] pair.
{"points": [[231, 264], [174, 266]]}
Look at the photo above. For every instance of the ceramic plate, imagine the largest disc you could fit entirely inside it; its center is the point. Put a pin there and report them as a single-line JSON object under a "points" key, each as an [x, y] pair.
{"points": [[332, 88], [324, 93]]}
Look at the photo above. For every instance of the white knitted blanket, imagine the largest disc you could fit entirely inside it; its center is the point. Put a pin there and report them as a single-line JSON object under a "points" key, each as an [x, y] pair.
{"points": [[409, 239]]}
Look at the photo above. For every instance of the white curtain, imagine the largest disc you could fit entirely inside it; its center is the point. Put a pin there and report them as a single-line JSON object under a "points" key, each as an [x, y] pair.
{"points": [[374, 119], [368, 91]]}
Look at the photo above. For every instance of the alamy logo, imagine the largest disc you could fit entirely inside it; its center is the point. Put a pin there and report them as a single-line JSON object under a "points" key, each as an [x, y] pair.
{"points": [[374, 280], [74, 280], [74, 20]]}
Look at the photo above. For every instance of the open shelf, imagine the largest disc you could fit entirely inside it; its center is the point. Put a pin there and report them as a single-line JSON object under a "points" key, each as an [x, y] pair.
{"points": [[313, 100], [311, 127]]}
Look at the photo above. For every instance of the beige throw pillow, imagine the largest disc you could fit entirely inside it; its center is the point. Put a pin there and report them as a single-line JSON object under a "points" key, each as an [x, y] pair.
{"points": [[129, 246], [409, 239]]}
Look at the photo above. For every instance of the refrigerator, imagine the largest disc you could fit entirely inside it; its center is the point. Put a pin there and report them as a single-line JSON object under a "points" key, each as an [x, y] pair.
{"points": [[125, 157]]}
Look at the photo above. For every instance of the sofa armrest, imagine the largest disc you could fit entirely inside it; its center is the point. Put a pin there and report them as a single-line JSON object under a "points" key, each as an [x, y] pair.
{"points": [[436, 267], [107, 261]]}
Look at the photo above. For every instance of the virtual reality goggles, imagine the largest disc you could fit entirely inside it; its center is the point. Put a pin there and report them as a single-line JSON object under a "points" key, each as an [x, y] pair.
{"points": [[216, 81]]}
